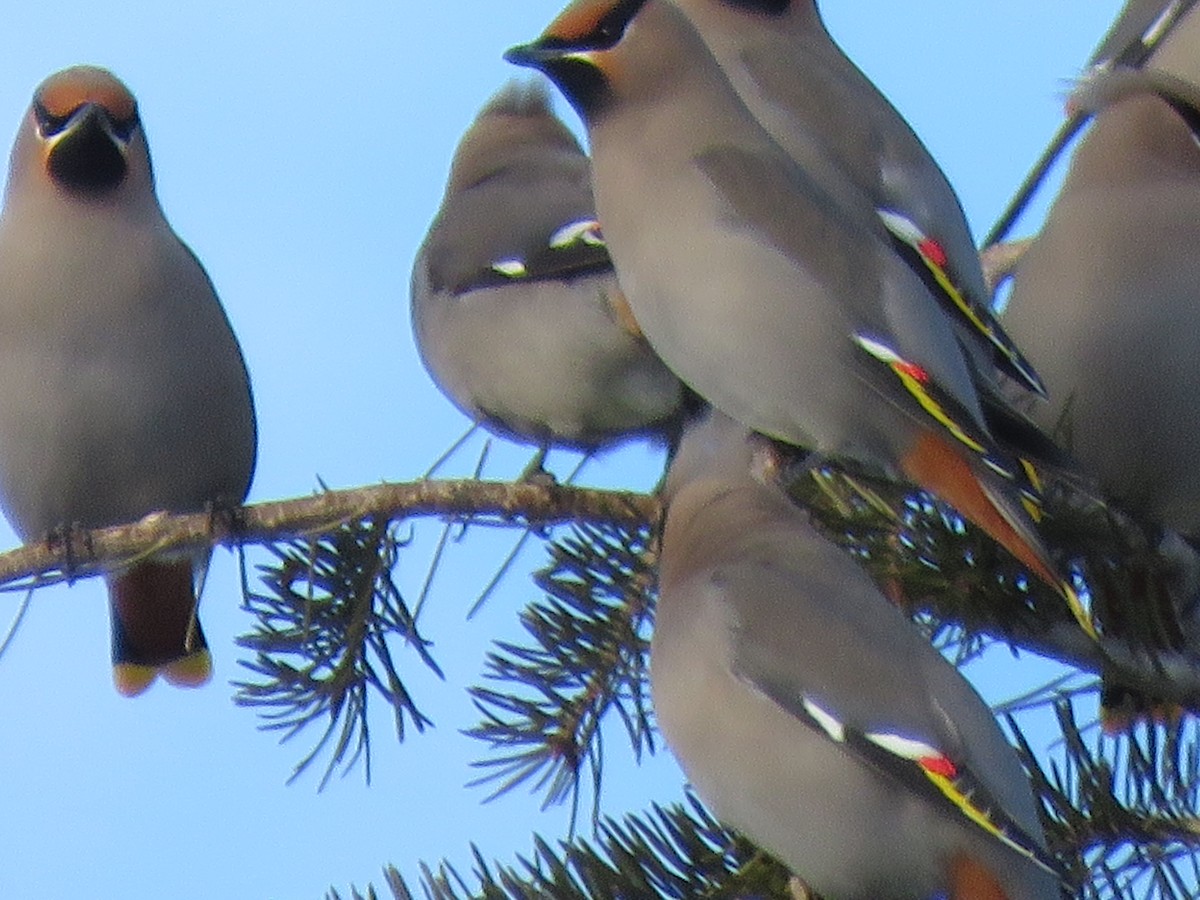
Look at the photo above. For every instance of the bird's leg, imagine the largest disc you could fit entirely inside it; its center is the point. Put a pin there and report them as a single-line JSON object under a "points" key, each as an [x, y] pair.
{"points": [[535, 471], [73, 542]]}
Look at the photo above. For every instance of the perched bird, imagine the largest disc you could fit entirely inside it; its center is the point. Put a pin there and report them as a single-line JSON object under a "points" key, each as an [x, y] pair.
{"points": [[824, 113], [810, 714], [1105, 301], [125, 391], [766, 297], [516, 309]]}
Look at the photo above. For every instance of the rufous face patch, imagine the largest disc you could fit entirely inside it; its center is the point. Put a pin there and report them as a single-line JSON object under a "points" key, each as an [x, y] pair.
{"points": [[64, 92]]}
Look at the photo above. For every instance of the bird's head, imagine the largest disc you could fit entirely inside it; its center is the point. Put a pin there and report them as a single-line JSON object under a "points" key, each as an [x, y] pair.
{"points": [[83, 122]]}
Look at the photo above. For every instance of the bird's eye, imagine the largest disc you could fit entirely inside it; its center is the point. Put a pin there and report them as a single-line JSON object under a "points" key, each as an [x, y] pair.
{"points": [[123, 128], [612, 26], [48, 123]]}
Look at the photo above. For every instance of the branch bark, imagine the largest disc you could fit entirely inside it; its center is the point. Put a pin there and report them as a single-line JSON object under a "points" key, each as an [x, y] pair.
{"points": [[78, 553]]}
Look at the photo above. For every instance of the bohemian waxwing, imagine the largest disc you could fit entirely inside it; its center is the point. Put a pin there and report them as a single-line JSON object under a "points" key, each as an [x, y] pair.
{"points": [[756, 289], [809, 713], [1105, 303], [125, 391], [826, 115], [516, 308]]}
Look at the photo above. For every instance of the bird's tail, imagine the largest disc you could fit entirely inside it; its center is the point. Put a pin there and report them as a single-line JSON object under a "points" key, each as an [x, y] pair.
{"points": [[972, 880], [154, 626], [992, 502]]}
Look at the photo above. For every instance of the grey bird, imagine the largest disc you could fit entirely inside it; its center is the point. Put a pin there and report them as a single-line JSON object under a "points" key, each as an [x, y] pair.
{"points": [[1105, 301], [759, 289], [516, 308], [828, 116], [125, 392], [810, 714]]}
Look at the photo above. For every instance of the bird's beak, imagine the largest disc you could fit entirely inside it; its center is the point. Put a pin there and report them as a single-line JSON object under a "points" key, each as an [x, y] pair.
{"points": [[89, 153], [89, 123], [536, 54]]}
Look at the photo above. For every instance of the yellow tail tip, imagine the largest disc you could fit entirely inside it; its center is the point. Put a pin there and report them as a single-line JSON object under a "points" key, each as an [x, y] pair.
{"points": [[194, 670], [131, 679]]}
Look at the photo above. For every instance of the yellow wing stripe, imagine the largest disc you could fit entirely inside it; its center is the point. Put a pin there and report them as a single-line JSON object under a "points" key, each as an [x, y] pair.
{"points": [[1032, 507], [956, 297], [1078, 611], [969, 809], [931, 406], [1031, 473]]}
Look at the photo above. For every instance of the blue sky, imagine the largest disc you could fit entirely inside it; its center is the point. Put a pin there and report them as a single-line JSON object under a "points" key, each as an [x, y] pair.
{"points": [[301, 149]]}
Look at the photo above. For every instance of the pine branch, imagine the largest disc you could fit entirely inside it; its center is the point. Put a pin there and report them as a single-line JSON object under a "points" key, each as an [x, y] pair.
{"points": [[923, 554], [929, 561], [588, 660], [1126, 809], [671, 852], [327, 620], [79, 553], [399, 890], [330, 619], [955, 573]]}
